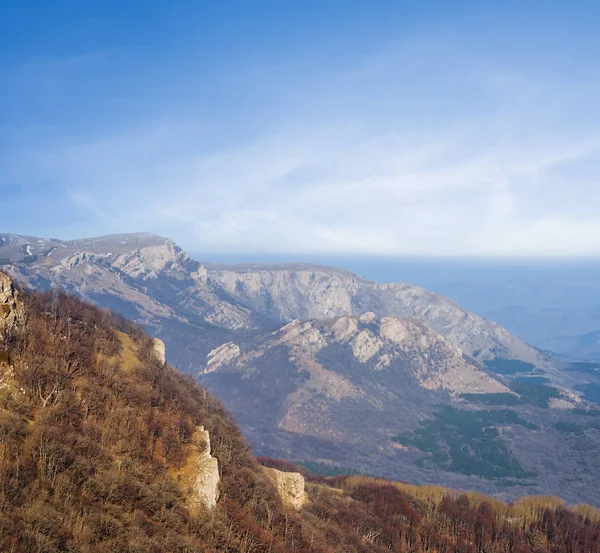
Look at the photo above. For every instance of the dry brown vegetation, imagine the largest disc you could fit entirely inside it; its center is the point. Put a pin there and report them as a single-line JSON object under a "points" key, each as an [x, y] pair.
{"points": [[94, 432], [376, 516]]}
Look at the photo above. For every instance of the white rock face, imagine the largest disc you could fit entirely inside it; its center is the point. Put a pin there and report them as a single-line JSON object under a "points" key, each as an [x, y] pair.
{"points": [[227, 316], [384, 361], [407, 345], [312, 292], [367, 318], [393, 330], [223, 355], [206, 479], [159, 350], [344, 328], [302, 336], [289, 486], [306, 294], [147, 262], [201, 275], [11, 315], [560, 404], [365, 345], [77, 259]]}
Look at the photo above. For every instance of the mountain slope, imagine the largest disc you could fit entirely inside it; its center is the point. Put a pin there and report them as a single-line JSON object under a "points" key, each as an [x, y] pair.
{"points": [[390, 396], [104, 449]]}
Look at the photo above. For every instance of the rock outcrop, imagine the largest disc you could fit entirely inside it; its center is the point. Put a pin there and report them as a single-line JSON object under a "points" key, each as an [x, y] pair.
{"points": [[404, 346], [149, 262], [10, 306], [205, 474], [365, 345], [11, 314], [160, 350], [289, 486], [223, 355], [304, 291]]}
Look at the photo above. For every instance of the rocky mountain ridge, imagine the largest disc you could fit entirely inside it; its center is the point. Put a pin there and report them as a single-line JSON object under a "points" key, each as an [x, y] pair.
{"points": [[377, 343], [154, 279]]}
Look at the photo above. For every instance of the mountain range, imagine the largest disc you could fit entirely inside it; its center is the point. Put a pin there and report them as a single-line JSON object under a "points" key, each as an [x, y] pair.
{"points": [[344, 374], [106, 448]]}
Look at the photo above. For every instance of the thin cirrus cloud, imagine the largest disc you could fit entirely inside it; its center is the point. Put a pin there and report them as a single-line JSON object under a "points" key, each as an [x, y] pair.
{"points": [[333, 190], [426, 153]]}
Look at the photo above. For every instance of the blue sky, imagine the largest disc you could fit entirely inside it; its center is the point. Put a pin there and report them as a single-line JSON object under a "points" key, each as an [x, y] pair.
{"points": [[463, 128]]}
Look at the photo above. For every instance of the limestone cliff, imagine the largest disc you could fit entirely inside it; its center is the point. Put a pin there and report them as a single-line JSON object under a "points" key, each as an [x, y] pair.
{"points": [[343, 380], [202, 473], [304, 291], [223, 355], [289, 486], [378, 343], [11, 314]]}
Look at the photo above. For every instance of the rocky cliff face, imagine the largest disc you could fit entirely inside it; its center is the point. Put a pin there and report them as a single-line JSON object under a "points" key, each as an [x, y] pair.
{"points": [[142, 276], [205, 476], [380, 344], [159, 350], [11, 311], [11, 315], [312, 292], [289, 486]]}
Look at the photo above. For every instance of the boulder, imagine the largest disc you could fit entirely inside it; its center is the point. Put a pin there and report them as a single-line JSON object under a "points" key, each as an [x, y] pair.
{"points": [[159, 350], [289, 486]]}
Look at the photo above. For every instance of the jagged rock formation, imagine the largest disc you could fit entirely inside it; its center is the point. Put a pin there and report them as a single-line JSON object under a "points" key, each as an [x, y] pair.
{"points": [[10, 305], [223, 355], [304, 291], [11, 314], [142, 276], [289, 486], [377, 343], [336, 380]]}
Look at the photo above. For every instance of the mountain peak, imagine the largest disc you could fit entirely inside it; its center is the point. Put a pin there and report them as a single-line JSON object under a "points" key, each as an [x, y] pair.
{"points": [[119, 242]]}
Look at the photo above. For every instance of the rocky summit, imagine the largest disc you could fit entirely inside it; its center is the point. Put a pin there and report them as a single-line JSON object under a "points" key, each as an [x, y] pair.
{"points": [[325, 368]]}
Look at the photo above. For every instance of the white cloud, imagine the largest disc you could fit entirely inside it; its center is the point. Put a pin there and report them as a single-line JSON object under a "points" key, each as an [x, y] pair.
{"points": [[338, 190], [383, 178]]}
